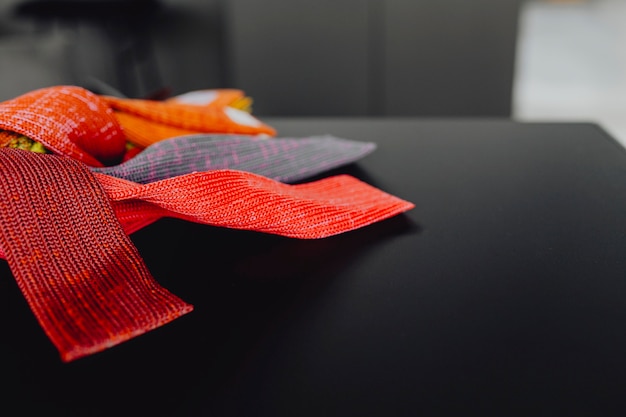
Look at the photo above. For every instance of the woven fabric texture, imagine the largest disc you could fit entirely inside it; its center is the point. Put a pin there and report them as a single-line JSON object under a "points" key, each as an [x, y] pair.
{"points": [[243, 200], [282, 159], [65, 236], [82, 277], [148, 121], [67, 215], [62, 118]]}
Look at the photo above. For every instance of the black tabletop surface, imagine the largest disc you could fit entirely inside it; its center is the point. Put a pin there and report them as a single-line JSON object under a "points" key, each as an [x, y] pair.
{"points": [[502, 293]]}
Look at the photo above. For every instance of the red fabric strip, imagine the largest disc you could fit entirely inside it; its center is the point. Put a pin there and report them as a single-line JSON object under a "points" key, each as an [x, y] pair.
{"points": [[65, 228], [62, 118], [81, 275], [65, 236], [243, 200]]}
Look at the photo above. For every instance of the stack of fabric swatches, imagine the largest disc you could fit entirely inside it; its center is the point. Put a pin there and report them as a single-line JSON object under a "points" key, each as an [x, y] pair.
{"points": [[80, 172]]}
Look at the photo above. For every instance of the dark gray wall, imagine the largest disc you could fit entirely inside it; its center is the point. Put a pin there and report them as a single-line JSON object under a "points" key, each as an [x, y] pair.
{"points": [[301, 57], [383, 57], [294, 57], [185, 36], [449, 56]]}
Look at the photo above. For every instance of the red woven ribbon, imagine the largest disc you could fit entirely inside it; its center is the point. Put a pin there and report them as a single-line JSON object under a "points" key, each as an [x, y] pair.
{"points": [[65, 228], [242, 200], [61, 118], [65, 236], [81, 275]]}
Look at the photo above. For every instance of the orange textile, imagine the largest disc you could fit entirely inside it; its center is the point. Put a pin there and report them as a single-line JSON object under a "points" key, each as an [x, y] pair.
{"points": [[148, 121]]}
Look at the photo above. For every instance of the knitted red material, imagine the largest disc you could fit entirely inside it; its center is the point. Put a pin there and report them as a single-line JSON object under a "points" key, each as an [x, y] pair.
{"points": [[64, 235], [65, 228], [79, 272], [62, 117], [242, 200], [67, 118]]}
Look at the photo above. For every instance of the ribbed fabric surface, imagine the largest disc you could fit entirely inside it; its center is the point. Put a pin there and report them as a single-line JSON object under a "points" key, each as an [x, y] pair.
{"points": [[81, 275], [66, 218], [282, 159], [242, 200], [62, 118], [148, 121], [65, 237]]}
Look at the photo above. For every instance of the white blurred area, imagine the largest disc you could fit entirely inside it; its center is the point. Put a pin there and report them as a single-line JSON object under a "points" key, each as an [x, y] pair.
{"points": [[571, 63]]}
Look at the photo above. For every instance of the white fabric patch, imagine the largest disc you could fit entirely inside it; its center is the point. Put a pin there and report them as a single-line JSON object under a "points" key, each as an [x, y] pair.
{"points": [[199, 97], [241, 117]]}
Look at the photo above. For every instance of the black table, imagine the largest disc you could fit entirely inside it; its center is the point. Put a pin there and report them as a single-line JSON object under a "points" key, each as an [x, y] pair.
{"points": [[503, 293]]}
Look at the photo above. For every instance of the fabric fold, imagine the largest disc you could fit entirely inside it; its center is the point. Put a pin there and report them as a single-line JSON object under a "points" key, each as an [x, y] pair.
{"points": [[247, 201], [282, 159], [67, 120], [95, 129], [82, 277], [67, 215], [146, 122], [65, 236]]}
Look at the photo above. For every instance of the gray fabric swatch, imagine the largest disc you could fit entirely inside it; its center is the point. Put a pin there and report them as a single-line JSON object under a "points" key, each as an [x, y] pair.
{"points": [[282, 159]]}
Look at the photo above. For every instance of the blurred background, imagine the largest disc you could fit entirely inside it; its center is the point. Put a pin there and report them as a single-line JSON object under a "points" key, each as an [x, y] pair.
{"points": [[532, 60]]}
